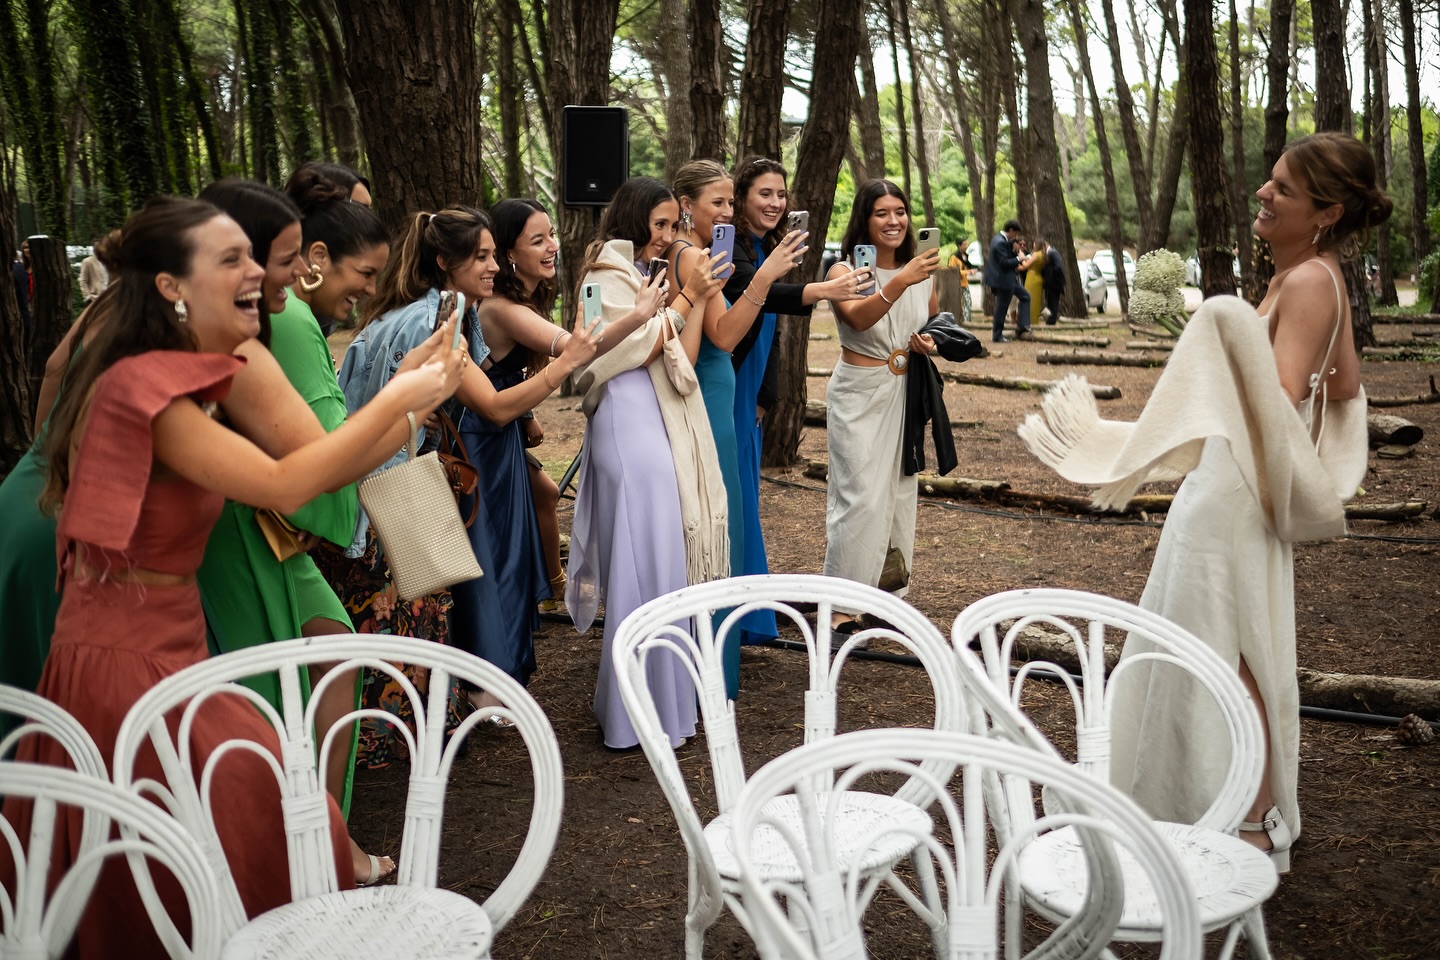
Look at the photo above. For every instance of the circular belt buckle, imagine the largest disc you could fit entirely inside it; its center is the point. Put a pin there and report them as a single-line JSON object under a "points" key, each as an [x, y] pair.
{"points": [[899, 361]]}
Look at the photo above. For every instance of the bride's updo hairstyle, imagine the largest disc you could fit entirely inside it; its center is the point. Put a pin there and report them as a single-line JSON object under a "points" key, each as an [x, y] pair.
{"points": [[1338, 169]]}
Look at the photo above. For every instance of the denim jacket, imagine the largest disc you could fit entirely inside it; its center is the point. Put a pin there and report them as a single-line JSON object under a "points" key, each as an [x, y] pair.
{"points": [[372, 359]]}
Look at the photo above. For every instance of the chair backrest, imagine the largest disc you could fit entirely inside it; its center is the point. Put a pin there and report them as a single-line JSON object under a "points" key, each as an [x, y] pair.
{"points": [[686, 623], [40, 914], [1080, 622], [821, 917], [39, 717], [312, 867]]}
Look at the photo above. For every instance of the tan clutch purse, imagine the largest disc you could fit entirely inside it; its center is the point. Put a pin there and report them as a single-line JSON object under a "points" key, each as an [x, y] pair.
{"points": [[285, 539], [413, 511]]}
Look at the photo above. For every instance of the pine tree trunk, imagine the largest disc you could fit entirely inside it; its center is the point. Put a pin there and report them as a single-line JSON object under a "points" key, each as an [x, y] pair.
{"points": [[1020, 161], [510, 95], [1277, 119], [1415, 128], [872, 140], [707, 85], [981, 205], [675, 65], [259, 70], [763, 79], [1134, 152], [1107, 169], [294, 91], [1209, 189], [15, 394], [917, 107], [1053, 220], [45, 167], [902, 131], [822, 148], [1239, 205], [421, 55], [1380, 106], [1167, 181], [50, 307]]}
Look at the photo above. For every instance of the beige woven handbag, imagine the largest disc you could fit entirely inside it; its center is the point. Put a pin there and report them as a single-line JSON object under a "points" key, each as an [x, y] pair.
{"points": [[413, 511]]}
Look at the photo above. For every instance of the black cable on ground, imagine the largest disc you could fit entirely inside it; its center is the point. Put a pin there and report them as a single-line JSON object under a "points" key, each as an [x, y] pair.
{"points": [[1054, 518]]}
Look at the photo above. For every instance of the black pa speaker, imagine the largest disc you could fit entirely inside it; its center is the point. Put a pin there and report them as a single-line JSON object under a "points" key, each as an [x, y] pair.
{"points": [[595, 143]]}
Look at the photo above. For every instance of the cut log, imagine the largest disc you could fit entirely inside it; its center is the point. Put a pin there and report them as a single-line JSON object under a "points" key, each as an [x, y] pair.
{"points": [[1150, 345], [815, 413], [818, 372], [1387, 451], [1091, 358], [1360, 692], [1432, 397], [1386, 428], [1100, 391], [1405, 510], [1406, 318], [1152, 330], [1423, 340], [1068, 341], [822, 336], [1424, 354]]}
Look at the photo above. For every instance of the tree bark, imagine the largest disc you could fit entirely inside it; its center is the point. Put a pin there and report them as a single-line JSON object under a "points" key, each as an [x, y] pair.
{"points": [[509, 21], [422, 55], [917, 108], [822, 148], [1053, 219], [44, 168], [982, 204], [872, 139], [763, 80], [1332, 94], [1209, 188], [1020, 161], [1134, 152], [50, 307], [707, 87], [1167, 183], [1239, 206], [1415, 128], [675, 63], [1277, 120], [1380, 108], [15, 394], [901, 130]]}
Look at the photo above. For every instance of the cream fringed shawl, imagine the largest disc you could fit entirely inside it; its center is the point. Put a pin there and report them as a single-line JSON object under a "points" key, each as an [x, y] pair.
{"points": [[1220, 381], [703, 507]]}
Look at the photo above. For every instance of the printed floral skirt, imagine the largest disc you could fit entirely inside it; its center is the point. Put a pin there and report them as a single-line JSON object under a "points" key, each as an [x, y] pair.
{"points": [[365, 588]]}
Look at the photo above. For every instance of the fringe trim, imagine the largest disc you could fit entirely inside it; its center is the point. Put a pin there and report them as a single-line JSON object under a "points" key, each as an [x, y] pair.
{"points": [[1068, 414], [708, 557]]}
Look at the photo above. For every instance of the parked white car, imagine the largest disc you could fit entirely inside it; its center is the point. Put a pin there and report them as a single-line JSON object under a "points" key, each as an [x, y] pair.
{"points": [[1192, 269], [1104, 260], [1097, 291]]}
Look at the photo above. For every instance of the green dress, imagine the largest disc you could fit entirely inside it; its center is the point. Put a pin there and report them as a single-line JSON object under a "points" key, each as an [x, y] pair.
{"points": [[28, 598], [249, 597]]}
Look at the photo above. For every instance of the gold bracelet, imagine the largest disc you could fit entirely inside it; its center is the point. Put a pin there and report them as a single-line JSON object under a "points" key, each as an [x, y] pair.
{"points": [[746, 294], [881, 291], [545, 375]]}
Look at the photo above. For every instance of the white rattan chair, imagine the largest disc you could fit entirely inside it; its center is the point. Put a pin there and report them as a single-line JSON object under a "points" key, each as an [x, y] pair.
{"points": [[821, 916], [39, 717], [1231, 879], [323, 921], [681, 623], [39, 921]]}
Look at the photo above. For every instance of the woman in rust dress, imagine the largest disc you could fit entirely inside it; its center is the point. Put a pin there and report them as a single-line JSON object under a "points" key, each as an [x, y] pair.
{"points": [[139, 471]]}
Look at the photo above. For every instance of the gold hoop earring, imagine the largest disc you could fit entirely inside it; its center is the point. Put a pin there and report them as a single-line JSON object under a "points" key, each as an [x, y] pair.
{"points": [[312, 283], [182, 312]]}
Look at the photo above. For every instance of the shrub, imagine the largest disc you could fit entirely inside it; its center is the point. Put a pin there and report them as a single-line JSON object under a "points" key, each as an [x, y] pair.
{"points": [[1160, 271]]}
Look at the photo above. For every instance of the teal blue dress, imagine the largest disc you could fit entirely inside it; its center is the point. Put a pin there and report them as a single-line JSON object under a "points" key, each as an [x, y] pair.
{"points": [[716, 373]]}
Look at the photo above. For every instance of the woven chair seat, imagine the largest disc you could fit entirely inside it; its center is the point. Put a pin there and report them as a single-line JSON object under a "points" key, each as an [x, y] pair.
{"points": [[1228, 876], [398, 923], [880, 827]]}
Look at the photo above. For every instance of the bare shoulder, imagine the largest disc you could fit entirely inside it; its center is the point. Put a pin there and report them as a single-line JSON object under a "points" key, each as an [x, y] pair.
{"points": [[838, 269]]}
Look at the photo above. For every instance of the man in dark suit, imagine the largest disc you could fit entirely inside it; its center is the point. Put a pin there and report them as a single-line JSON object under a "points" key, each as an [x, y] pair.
{"points": [[1001, 278]]}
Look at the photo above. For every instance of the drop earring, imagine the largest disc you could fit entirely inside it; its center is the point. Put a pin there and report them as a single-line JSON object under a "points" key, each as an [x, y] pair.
{"points": [[311, 283], [686, 222], [182, 312]]}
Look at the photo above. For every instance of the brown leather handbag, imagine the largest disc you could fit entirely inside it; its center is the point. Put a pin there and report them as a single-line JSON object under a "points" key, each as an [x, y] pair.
{"points": [[460, 473]]}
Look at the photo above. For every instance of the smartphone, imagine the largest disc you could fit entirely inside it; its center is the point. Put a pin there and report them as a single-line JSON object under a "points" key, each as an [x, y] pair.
{"points": [[722, 240], [797, 220], [456, 339], [927, 239], [864, 256], [590, 300], [447, 307], [657, 264]]}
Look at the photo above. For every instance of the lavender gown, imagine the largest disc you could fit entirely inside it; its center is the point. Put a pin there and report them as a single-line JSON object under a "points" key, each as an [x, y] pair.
{"points": [[627, 546]]}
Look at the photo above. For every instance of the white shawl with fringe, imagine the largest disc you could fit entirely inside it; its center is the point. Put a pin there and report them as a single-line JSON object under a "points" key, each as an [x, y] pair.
{"points": [[1220, 381], [703, 506]]}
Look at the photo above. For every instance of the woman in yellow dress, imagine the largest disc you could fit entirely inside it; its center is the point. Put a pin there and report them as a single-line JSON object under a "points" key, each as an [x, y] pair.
{"points": [[1034, 267]]}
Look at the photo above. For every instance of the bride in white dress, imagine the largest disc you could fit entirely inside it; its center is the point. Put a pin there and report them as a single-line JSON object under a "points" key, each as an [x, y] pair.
{"points": [[1219, 571]]}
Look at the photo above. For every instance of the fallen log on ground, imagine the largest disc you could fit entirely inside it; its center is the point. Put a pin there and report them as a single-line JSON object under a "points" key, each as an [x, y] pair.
{"points": [[1154, 331], [816, 416], [1405, 510], [1100, 391], [1432, 397], [1362, 692], [1423, 340], [1091, 358], [1047, 336], [1406, 318], [1426, 354], [1386, 428], [1150, 345], [822, 336]]}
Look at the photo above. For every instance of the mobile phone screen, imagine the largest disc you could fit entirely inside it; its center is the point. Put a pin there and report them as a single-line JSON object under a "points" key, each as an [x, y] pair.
{"points": [[657, 264], [722, 240]]}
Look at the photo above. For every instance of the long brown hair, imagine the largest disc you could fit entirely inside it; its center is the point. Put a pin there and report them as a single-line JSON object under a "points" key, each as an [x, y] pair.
{"points": [[627, 217], [433, 245], [750, 170], [132, 315]]}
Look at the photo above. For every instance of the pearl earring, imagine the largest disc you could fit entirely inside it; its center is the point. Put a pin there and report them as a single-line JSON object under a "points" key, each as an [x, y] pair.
{"points": [[182, 312]]}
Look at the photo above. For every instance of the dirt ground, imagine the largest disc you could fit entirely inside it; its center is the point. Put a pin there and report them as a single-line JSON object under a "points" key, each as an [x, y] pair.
{"points": [[1366, 871]]}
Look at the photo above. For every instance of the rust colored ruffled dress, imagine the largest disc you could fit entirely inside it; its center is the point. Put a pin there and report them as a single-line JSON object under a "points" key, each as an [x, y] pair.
{"points": [[115, 639]]}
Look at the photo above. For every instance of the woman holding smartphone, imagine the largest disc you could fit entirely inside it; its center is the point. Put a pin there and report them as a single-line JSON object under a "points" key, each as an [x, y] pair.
{"points": [[650, 516], [761, 202], [707, 199], [138, 469], [869, 504], [455, 250]]}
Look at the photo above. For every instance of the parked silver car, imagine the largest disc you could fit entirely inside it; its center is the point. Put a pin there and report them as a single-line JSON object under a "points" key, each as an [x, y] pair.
{"points": [[1097, 291], [1192, 269], [1105, 261]]}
